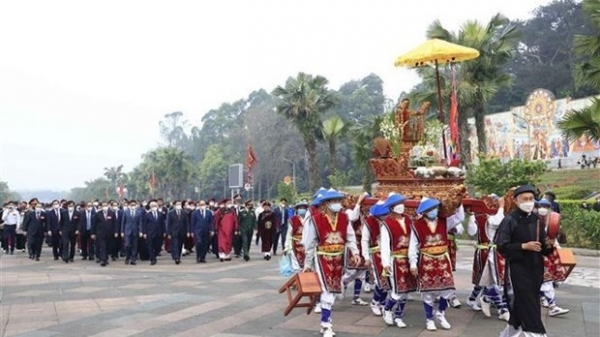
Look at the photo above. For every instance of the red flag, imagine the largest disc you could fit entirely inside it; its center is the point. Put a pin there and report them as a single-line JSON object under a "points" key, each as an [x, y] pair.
{"points": [[121, 192], [453, 122], [152, 183], [250, 158]]}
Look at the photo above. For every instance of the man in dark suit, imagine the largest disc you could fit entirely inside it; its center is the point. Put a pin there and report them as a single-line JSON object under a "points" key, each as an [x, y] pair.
{"points": [[161, 241], [103, 229], [281, 213], [68, 230], [202, 229], [53, 226], [34, 228], [177, 227], [114, 244], [153, 230], [85, 231], [131, 228]]}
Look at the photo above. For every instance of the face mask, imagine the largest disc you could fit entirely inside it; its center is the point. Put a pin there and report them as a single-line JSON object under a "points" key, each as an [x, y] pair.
{"points": [[543, 211], [229, 205], [132, 207], [39, 209], [203, 207], [55, 206], [115, 208], [105, 208], [95, 204], [154, 208], [335, 207], [301, 212], [71, 209], [432, 214], [282, 205], [211, 204], [192, 207], [398, 209], [527, 207], [178, 207]]}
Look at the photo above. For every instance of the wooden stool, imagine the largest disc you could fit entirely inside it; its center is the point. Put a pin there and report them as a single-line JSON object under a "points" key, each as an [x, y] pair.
{"points": [[567, 259], [306, 285]]}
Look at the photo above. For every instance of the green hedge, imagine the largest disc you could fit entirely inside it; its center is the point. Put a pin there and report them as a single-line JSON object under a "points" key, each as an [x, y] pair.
{"points": [[582, 227]]}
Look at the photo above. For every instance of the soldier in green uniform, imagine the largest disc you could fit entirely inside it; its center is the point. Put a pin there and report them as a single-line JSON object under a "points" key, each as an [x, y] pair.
{"points": [[247, 226]]}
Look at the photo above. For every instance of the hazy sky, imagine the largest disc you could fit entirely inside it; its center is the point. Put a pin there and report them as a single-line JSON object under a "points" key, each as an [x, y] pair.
{"points": [[83, 84]]}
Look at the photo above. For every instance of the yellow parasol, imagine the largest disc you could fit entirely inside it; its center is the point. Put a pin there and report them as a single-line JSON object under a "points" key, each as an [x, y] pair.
{"points": [[437, 51]]}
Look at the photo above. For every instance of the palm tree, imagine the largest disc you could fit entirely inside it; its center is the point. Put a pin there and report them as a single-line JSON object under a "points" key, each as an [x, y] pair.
{"points": [[480, 79], [588, 72], [114, 174], [363, 135], [302, 101], [584, 122], [333, 128]]}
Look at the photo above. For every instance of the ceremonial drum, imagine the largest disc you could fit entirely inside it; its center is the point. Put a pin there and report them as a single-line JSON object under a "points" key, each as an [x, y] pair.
{"points": [[553, 225]]}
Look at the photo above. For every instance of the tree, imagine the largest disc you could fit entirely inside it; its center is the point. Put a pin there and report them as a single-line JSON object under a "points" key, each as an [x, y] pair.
{"points": [[481, 78], [172, 129], [545, 56], [583, 122], [6, 194], [213, 172], [493, 176], [302, 101], [364, 134], [114, 174], [333, 128]]}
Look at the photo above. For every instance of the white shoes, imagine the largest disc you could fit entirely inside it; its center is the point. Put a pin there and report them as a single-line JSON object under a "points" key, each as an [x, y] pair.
{"points": [[376, 309], [367, 288], [454, 302], [317, 308], [388, 317], [544, 302], [486, 308], [431, 325], [360, 302], [504, 315], [327, 332], [441, 318], [400, 323], [556, 311], [473, 305]]}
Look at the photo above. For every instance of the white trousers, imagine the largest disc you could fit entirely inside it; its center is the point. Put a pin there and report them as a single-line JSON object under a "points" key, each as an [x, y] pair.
{"points": [[429, 296], [510, 331], [353, 274], [295, 264]]}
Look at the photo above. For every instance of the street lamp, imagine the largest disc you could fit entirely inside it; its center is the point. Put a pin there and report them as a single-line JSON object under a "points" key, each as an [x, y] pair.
{"points": [[293, 171], [528, 133]]}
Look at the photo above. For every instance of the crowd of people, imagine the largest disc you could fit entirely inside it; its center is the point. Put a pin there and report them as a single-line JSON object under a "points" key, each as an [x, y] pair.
{"points": [[375, 244], [142, 230]]}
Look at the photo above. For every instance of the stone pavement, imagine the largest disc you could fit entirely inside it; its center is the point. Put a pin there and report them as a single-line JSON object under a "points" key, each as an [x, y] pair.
{"points": [[230, 299]]}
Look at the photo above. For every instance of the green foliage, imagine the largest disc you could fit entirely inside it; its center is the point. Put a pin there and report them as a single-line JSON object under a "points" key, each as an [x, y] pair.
{"points": [[213, 171], [363, 135], [333, 128], [339, 179], [571, 184], [100, 188], [6, 194], [581, 226], [493, 176], [286, 191], [584, 122]]}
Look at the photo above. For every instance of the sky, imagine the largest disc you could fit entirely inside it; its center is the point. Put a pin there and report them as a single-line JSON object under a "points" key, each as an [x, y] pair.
{"points": [[83, 84]]}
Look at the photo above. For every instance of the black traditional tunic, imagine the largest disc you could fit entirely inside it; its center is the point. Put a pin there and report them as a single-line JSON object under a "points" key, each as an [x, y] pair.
{"points": [[524, 269]]}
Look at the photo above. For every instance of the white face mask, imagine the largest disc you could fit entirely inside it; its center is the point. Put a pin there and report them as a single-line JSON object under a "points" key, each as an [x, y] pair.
{"points": [[71, 209], [527, 207], [95, 204], [335, 207], [178, 207], [115, 208], [105, 208], [398, 209], [543, 211], [154, 208], [192, 207], [202, 207], [211, 204], [229, 205], [55, 206]]}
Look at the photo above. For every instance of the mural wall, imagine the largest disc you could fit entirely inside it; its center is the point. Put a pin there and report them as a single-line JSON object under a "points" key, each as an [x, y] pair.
{"points": [[530, 131]]}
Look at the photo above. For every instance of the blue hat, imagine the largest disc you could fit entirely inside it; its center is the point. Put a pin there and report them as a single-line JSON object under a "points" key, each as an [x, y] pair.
{"points": [[331, 194], [394, 199], [321, 190], [544, 203], [427, 204], [379, 209], [317, 200]]}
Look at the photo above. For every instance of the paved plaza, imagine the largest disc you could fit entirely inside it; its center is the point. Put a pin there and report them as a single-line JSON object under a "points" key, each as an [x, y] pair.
{"points": [[230, 299]]}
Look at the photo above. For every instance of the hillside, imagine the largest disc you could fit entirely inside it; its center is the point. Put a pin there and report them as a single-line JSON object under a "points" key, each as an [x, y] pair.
{"points": [[571, 184]]}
